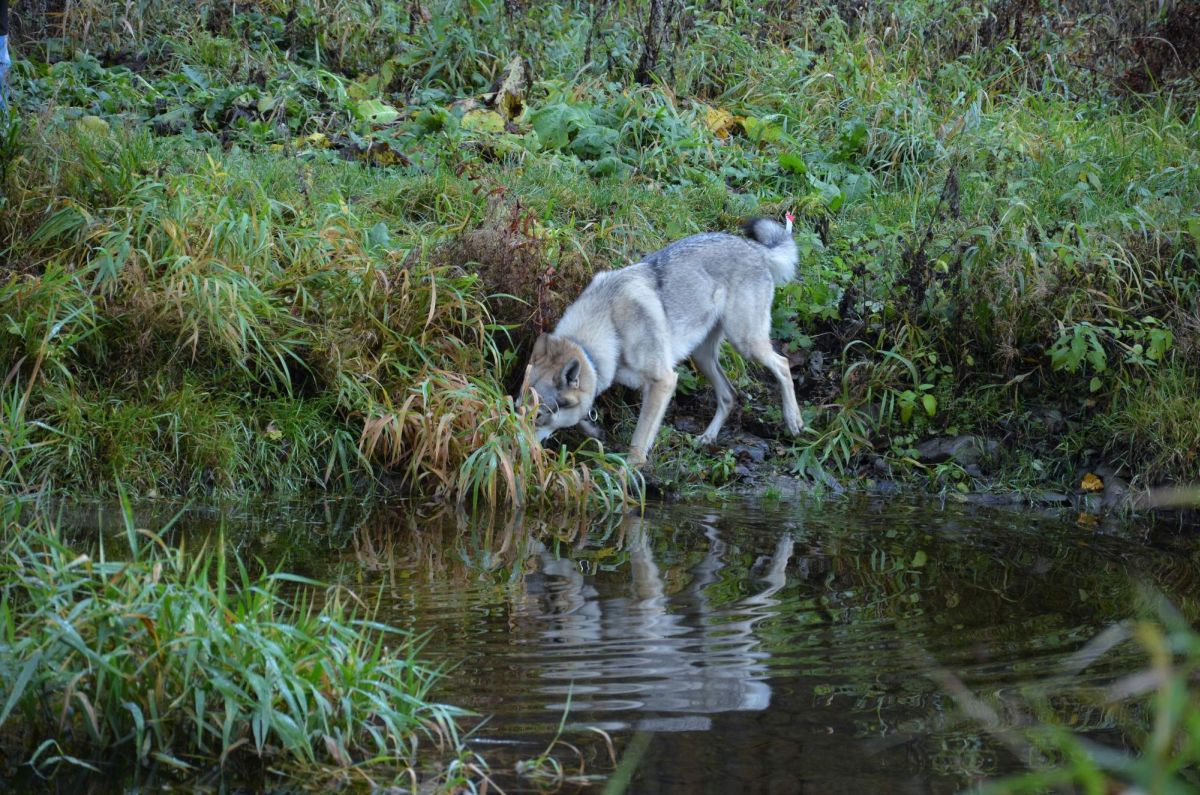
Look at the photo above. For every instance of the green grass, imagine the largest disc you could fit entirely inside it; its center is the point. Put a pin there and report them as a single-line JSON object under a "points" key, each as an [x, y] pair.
{"points": [[269, 253], [219, 330], [149, 653]]}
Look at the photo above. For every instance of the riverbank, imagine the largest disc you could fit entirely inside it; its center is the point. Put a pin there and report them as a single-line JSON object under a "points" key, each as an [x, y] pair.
{"points": [[266, 248]]}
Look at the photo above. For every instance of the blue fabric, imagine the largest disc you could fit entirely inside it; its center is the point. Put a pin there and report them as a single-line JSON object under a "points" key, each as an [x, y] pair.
{"points": [[5, 64], [587, 356]]}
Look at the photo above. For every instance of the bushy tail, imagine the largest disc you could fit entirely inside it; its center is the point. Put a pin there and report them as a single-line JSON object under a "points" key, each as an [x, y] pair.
{"points": [[780, 248]]}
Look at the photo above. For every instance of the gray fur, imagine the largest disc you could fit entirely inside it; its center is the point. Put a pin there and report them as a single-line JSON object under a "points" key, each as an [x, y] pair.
{"points": [[632, 326]]}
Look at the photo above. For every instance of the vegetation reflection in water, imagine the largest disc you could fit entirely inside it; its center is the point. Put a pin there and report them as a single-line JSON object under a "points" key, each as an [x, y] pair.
{"points": [[823, 647], [776, 648]]}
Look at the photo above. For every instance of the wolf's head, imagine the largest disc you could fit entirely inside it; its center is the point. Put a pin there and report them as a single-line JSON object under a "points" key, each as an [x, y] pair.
{"points": [[564, 379]]}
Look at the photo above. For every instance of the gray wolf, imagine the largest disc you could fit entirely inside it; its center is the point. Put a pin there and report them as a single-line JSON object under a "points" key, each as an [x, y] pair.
{"points": [[632, 326]]}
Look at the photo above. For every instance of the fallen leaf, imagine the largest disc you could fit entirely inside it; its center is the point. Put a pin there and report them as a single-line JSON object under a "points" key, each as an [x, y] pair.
{"points": [[509, 99], [94, 124], [376, 111], [1091, 482], [483, 121], [720, 122], [316, 140]]}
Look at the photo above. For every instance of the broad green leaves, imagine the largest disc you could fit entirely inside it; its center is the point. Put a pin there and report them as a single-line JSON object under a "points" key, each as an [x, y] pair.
{"points": [[907, 400], [376, 111], [594, 142], [1142, 343], [1078, 344], [793, 163], [557, 124]]}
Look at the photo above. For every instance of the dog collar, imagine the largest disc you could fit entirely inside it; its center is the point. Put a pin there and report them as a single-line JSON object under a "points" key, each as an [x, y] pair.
{"points": [[589, 358]]}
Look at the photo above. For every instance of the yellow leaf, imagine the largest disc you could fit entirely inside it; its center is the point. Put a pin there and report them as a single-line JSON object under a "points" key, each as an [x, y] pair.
{"points": [[720, 122], [1091, 482], [316, 140], [483, 121], [386, 157], [94, 124]]}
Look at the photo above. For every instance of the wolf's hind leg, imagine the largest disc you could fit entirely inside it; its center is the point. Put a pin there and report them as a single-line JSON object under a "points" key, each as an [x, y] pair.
{"points": [[764, 354], [656, 394], [707, 358]]}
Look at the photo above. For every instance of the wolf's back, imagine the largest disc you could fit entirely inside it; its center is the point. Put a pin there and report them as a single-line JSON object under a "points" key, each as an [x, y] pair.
{"points": [[780, 249]]}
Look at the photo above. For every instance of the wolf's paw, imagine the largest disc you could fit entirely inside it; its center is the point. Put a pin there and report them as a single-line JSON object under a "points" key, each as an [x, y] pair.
{"points": [[795, 426], [705, 439]]}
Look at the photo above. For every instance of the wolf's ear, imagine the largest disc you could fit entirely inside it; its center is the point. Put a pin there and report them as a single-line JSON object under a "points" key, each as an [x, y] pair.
{"points": [[570, 373], [540, 346]]}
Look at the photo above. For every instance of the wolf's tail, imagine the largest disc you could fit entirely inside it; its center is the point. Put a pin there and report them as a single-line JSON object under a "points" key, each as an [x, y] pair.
{"points": [[779, 247]]}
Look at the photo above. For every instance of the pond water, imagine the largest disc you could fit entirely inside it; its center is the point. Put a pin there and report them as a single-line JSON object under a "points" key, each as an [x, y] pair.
{"points": [[751, 648]]}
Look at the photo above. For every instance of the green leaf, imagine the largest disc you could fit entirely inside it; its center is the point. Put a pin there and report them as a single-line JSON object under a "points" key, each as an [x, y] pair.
{"points": [[1096, 355], [830, 194], [919, 559], [195, 77], [1160, 341], [1095, 384], [376, 111], [378, 236], [1078, 349], [139, 724], [94, 125], [930, 404], [432, 121], [18, 688], [1193, 227], [66, 221], [556, 124], [593, 143], [607, 166], [172, 761], [807, 242], [761, 130], [793, 163], [854, 136]]}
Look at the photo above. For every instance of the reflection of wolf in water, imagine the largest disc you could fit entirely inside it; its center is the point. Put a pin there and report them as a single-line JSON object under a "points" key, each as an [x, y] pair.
{"points": [[651, 651]]}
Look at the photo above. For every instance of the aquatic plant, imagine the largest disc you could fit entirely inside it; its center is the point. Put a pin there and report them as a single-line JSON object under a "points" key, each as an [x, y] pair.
{"points": [[151, 653], [1158, 709]]}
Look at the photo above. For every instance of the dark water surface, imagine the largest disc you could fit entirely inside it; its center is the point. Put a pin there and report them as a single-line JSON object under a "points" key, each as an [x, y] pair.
{"points": [[749, 648]]}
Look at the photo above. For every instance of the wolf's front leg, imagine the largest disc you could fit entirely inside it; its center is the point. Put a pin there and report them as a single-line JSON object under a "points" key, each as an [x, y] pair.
{"points": [[656, 394]]}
